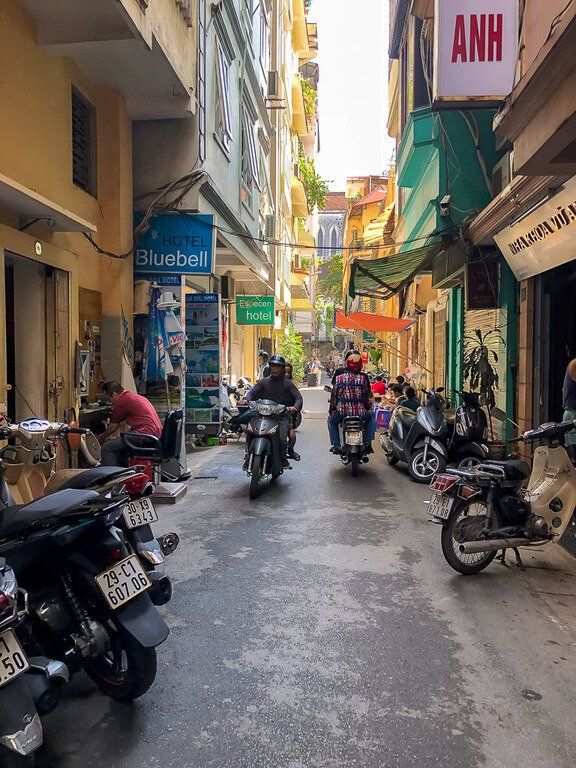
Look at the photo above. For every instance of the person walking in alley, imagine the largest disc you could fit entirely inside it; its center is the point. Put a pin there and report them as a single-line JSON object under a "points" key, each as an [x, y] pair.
{"points": [[135, 411], [351, 396], [263, 367], [569, 405]]}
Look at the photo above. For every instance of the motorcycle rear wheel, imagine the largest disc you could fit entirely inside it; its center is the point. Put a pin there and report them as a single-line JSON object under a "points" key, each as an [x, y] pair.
{"points": [[355, 465], [127, 672], [467, 565], [255, 478]]}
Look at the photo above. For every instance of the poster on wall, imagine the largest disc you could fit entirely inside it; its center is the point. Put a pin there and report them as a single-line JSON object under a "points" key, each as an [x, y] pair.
{"points": [[203, 333]]}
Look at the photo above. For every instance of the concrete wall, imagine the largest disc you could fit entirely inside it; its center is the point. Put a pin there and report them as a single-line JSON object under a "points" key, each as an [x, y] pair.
{"points": [[538, 16]]}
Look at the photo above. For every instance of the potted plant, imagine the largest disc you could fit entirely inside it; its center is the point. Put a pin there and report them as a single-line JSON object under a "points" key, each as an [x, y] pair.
{"points": [[479, 361]]}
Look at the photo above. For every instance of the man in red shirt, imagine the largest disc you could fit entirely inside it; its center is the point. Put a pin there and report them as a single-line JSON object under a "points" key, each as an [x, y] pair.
{"points": [[135, 411], [379, 387]]}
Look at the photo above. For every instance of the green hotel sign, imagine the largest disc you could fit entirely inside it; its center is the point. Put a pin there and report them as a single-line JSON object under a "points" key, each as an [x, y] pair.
{"points": [[255, 310]]}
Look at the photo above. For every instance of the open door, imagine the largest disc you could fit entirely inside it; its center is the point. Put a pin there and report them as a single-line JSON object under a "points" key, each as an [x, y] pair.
{"points": [[58, 368]]}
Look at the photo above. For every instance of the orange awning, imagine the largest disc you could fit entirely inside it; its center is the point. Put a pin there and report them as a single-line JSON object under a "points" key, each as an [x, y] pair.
{"points": [[366, 321]]}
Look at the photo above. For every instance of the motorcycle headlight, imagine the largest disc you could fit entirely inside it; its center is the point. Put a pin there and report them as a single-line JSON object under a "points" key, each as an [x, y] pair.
{"points": [[265, 410]]}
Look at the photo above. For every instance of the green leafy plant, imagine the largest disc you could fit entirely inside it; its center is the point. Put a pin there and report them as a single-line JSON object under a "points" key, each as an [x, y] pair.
{"points": [[479, 362], [310, 95], [316, 187], [292, 347], [375, 355], [329, 285], [304, 262]]}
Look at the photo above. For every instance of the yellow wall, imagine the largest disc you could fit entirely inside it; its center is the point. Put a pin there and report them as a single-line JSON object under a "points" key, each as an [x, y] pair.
{"points": [[36, 151]]}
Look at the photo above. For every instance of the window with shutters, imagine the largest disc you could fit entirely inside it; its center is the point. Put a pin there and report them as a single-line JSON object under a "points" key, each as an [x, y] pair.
{"points": [[250, 166], [223, 129], [83, 143]]}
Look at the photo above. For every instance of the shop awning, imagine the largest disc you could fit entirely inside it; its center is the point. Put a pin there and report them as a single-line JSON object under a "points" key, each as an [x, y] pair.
{"points": [[367, 321], [384, 277]]}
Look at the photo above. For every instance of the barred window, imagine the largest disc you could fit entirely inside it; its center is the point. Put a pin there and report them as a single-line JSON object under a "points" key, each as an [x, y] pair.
{"points": [[83, 143]]}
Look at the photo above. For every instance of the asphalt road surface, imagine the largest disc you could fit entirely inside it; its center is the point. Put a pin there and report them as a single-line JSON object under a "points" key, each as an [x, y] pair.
{"points": [[319, 627]]}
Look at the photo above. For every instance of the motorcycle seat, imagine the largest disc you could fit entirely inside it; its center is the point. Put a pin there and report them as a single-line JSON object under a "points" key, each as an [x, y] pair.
{"points": [[515, 469], [15, 520], [406, 415], [93, 476]]}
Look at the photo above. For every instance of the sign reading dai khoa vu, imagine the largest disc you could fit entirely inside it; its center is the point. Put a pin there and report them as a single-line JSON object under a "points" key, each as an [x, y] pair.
{"points": [[254, 310], [176, 243]]}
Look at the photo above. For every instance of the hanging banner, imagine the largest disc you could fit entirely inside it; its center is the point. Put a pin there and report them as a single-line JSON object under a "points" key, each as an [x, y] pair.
{"points": [[475, 48], [255, 310], [176, 243], [203, 334]]}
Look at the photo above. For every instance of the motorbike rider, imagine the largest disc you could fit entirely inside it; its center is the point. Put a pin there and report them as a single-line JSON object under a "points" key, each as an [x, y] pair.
{"points": [[283, 391], [351, 396]]}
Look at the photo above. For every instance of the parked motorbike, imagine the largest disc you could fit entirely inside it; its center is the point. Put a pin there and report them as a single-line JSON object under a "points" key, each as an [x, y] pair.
{"points": [[29, 687], [486, 509], [263, 444], [427, 442], [87, 592], [29, 470]]}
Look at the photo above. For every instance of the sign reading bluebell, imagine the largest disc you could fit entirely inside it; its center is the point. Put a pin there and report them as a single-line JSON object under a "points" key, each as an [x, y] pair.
{"points": [[176, 243]]}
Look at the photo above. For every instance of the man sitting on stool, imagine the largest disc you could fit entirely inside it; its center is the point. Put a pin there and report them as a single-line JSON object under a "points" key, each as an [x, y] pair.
{"points": [[134, 410]]}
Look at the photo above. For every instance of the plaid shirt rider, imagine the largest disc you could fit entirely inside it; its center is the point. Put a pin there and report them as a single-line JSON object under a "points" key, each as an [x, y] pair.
{"points": [[351, 395]]}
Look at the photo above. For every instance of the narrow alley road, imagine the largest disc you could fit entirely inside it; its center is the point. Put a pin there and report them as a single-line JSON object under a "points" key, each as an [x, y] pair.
{"points": [[319, 627]]}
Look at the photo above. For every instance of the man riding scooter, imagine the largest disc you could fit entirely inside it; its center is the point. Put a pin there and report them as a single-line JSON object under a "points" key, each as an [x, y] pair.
{"points": [[282, 391], [351, 396]]}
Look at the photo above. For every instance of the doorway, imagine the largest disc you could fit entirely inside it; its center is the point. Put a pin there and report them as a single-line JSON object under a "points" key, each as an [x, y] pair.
{"points": [[554, 339], [37, 339]]}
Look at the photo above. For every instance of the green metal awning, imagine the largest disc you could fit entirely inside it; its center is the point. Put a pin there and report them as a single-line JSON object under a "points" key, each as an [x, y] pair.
{"points": [[384, 277]]}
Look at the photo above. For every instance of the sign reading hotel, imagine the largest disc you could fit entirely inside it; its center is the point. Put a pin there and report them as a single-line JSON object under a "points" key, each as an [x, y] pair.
{"points": [[475, 47], [175, 243], [255, 310], [545, 238]]}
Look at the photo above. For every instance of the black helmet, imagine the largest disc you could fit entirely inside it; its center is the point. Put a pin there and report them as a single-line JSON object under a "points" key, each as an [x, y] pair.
{"points": [[263, 354], [277, 360]]}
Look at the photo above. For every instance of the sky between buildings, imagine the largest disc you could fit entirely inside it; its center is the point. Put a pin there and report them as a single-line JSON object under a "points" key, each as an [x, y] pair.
{"points": [[353, 90]]}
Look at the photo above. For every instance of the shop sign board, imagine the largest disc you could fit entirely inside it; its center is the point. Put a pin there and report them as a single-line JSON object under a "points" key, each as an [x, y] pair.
{"points": [[255, 310], [475, 46], [203, 334], [176, 243], [545, 238], [482, 284]]}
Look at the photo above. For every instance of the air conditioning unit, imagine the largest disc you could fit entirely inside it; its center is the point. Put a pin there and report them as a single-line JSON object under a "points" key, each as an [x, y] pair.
{"points": [[502, 174], [227, 289], [270, 227], [273, 84]]}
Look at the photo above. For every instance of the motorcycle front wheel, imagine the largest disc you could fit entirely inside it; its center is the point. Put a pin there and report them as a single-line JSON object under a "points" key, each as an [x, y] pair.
{"points": [[423, 465], [255, 478], [466, 523], [126, 672]]}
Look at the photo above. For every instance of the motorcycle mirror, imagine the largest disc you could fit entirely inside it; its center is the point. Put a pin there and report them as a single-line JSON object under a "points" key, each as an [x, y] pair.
{"points": [[439, 389], [498, 413]]}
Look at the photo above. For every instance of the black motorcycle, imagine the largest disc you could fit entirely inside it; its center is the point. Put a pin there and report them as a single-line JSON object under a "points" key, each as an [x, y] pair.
{"points": [[426, 442], [87, 592], [263, 443], [29, 687]]}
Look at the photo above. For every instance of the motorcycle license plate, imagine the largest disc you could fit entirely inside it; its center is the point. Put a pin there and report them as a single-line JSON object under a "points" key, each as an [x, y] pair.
{"points": [[13, 660], [139, 512], [440, 506], [354, 438], [122, 582]]}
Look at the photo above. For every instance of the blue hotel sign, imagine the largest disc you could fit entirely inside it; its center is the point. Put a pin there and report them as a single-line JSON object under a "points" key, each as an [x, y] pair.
{"points": [[176, 243]]}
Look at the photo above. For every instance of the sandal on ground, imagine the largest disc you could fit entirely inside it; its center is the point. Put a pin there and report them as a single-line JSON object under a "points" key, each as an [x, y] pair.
{"points": [[335, 449]]}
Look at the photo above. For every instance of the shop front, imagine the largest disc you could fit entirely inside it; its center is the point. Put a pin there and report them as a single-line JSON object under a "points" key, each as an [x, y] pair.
{"points": [[540, 248]]}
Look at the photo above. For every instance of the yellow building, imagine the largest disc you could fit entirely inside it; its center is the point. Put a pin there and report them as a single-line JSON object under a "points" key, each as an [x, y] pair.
{"points": [[73, 79]]}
